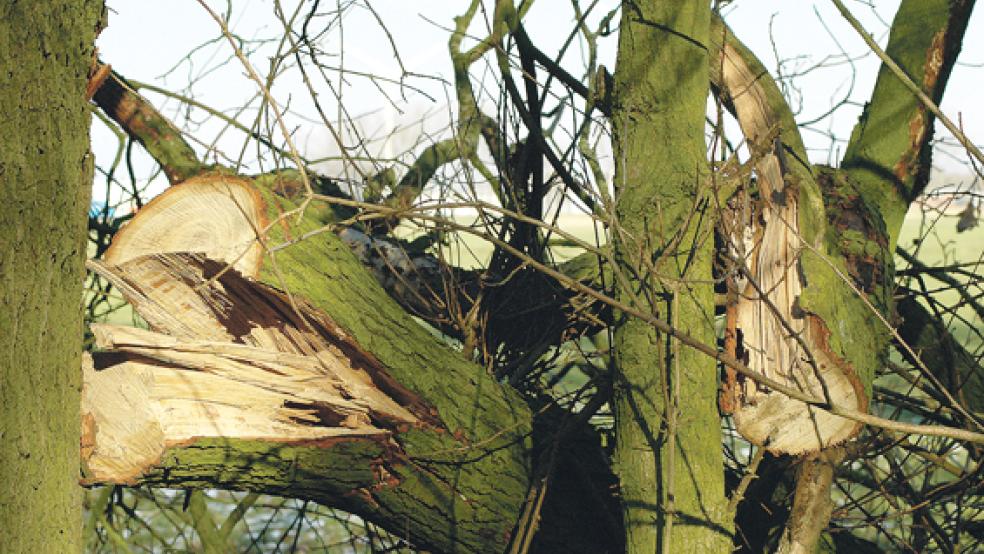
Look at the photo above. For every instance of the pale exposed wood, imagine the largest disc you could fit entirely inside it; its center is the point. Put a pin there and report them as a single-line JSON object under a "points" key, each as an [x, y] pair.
{"points": [[325, 378], [778, 338], [136, 408], [151, 390], [226, 356], [218, 215]]}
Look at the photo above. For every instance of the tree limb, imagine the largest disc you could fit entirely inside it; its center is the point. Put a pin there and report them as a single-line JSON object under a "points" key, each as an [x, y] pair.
{"points": [[144, 124], [890, 149], [812, 504], [249, 383]]}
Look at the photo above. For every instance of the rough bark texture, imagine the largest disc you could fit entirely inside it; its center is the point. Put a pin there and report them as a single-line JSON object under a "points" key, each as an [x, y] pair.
{"points": [[812, 504], [854, 230], [428, 478], [45, 175], [158, 135], [886, 166], [668, 449]]}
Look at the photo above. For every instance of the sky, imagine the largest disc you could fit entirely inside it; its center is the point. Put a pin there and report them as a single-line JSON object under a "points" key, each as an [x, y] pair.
{"points": [[151, 41]]}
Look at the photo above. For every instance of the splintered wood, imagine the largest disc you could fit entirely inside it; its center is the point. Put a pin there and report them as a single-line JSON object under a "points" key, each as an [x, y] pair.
{"points": [[775, 336], [225, 356]]}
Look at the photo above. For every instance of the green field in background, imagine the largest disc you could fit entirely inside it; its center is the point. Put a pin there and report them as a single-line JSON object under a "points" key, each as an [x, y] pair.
{"points": [[936, 241]]}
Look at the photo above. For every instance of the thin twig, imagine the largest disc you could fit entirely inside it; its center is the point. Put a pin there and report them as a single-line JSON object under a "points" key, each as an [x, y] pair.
{"points": [[278, 115]]}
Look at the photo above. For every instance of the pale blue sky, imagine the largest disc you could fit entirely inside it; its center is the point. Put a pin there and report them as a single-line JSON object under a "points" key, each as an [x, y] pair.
{"points": [[146, 40]]}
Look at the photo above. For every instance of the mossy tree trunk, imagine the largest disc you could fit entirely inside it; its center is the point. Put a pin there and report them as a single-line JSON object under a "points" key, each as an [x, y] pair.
{"points": [[668, 450], [45, 178], [853, 221]]}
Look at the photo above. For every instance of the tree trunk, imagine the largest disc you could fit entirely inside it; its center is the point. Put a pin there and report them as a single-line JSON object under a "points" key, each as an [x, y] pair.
{"points": [[45, 179], [812, 504], [847, 232], [668, 450]]}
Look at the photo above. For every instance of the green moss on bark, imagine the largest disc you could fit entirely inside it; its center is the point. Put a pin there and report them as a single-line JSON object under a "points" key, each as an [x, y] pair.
{"points": [[670, 466], [889, 153], [465, 482], [358, 475], [850, 275], [45, 175]]}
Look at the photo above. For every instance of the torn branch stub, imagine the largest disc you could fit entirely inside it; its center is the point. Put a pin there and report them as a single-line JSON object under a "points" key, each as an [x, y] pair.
{"points": [[149, 395], [777, 335], [280, 365], [227, 356], [225, 359]]}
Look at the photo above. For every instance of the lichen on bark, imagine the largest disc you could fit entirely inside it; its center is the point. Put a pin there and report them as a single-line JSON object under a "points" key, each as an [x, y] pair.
{"points": [[45, 175]]}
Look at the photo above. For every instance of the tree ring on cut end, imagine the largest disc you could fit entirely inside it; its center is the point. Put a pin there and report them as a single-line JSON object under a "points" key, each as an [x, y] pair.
{"points": [[217, 215]]}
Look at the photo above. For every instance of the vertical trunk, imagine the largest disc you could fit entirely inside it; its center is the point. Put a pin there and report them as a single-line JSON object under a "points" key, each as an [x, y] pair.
{"points": [[668, 449], [45, 174]]}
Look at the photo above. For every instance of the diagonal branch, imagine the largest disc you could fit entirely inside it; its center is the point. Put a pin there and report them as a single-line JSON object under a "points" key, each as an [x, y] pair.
{"points": [[940, 59], [140, 120], [291, 372], [890, 150]]}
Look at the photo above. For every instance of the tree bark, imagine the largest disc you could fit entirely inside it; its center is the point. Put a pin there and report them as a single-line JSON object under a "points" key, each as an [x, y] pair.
{"points": [[847, 274], [668, 446], [45, 179], [158, 135], [425, 463], [785, 288], [889, 153], [812, 504]]}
